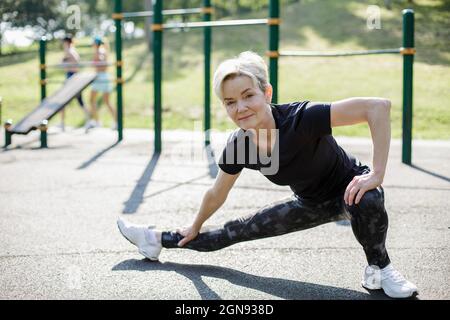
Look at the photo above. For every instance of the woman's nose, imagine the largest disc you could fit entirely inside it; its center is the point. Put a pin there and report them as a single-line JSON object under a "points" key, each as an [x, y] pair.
{"points": [[241, 106]]}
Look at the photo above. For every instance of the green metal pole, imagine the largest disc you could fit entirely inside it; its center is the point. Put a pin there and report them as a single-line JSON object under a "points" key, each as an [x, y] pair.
{"points": [[43, 127], [42, 68], [7, 138], [119, 80], [207, 48], [8, 134], [274, 22], [157, 70], [408, 60]]}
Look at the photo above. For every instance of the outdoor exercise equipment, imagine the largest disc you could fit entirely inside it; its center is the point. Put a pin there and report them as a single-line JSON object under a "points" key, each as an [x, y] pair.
{"points": [[158, 27], [39, 117], [273, 21], [407, 51]]}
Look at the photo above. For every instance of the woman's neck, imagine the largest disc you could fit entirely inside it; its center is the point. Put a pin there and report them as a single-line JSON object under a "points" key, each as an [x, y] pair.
{"points": [[268, 122], [264, 135]]}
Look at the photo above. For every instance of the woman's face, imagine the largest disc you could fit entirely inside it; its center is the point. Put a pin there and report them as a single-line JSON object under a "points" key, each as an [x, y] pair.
{"points": [[246, 104]]}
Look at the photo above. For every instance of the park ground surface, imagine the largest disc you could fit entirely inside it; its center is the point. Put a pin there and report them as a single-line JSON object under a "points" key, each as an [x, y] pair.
{"points": [[59, 240]]}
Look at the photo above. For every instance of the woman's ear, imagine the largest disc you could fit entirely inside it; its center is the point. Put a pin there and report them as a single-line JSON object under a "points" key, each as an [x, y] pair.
{"points": [[268, 93]]}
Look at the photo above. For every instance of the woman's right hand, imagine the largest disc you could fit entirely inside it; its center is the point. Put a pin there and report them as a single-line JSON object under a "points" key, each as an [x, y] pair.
{"points": [[189, 233]]}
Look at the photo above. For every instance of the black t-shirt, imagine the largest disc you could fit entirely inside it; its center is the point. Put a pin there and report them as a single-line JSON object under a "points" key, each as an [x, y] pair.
{"points": [[310, 161]]}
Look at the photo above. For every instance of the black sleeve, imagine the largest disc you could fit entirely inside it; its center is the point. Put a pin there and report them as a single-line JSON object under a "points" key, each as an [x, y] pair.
{"points": [[229, 166], [312, 120]]}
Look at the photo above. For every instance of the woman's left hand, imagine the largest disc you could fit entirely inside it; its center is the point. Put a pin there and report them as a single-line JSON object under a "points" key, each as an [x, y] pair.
{"points": [[360, 185]]}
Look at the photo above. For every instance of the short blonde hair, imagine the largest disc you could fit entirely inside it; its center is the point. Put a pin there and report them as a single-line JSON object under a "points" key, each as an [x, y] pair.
{"points": [[248, 63]]}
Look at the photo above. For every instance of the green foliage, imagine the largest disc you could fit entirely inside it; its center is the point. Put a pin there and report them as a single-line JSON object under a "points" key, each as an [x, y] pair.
{"points": [[324, 25], [43, 16]]}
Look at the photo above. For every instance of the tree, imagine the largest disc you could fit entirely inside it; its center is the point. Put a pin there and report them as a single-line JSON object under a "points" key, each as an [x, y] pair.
{"points": [[44, 17], [388, 3]]}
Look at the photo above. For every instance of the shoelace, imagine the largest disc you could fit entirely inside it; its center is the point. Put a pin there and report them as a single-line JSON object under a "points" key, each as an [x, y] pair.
{"points": [[395, 276]]}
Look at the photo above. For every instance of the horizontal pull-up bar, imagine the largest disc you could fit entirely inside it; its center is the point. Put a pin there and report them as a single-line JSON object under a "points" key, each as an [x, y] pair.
{"points": [[61, 81], [143, 14], [80, 64], [337, 54], [228, 23]]}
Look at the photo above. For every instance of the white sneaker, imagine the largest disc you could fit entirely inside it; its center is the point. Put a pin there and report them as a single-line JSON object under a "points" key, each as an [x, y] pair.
{"points": [[92, 124], [142, 237], [61, 126], [89, 124], [390, 280]]}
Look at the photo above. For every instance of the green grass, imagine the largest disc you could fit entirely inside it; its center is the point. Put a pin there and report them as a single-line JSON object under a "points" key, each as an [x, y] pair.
{"points": [[310, 25]]}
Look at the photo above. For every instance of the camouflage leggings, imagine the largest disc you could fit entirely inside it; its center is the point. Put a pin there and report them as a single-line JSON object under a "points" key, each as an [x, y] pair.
{"points": [[369, 222]]}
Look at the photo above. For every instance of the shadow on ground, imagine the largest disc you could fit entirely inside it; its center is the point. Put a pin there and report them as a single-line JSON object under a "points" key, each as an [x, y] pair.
{"points": [[137, 195], [97, 156], [432, 173], [277, 287]]}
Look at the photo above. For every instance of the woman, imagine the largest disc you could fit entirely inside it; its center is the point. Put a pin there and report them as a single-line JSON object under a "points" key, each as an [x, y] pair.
{"points": [[71, 58], [101, 84], [329, 184]]}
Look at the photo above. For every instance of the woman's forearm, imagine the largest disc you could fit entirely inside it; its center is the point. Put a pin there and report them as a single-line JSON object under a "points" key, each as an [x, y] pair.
{"points": [[210, 204], [380, 127]]}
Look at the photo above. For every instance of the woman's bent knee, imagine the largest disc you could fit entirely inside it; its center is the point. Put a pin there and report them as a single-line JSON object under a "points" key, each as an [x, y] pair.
{"points": [[372, 200]]}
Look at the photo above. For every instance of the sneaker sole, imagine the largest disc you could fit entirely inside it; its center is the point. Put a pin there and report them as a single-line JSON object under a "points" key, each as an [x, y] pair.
{"points": [[365, 286], [141, 252], [413, 295]]}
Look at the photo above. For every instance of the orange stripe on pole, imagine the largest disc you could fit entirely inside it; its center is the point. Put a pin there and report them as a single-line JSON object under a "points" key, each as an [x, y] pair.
{"points": [[208, 10], [407, 51], [157, 27], [272, 54], [273, 21]]}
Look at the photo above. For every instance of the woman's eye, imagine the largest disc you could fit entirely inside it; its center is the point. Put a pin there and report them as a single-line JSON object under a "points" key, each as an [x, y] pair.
{"points": [[248, 96]]}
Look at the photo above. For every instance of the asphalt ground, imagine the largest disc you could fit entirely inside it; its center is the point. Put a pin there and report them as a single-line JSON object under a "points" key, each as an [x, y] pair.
{"points": [[59, 239]]}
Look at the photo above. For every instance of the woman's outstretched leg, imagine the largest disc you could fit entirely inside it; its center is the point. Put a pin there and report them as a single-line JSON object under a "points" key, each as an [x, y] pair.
{"points": [[369, 223], [281, 217], [368, 218]]}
